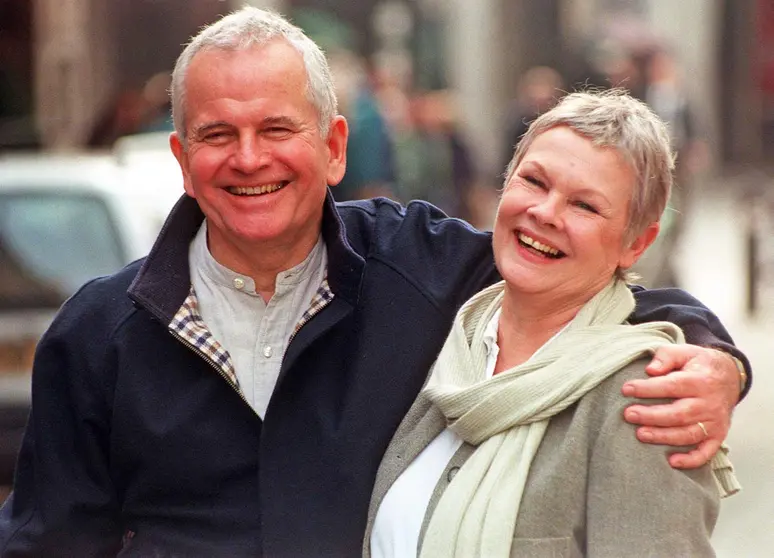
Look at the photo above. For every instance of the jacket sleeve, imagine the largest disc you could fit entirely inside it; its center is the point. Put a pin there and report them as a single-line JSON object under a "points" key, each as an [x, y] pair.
{"points": [[63, 502], [636, 502], [447, 258], [700, 325]]}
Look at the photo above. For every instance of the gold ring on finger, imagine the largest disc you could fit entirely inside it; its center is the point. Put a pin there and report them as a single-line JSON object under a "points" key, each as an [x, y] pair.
{"points": [[703, 429]]}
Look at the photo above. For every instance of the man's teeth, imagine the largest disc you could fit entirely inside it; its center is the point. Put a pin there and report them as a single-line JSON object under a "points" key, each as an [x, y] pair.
{"points": [[251, 191], [537, 245]]}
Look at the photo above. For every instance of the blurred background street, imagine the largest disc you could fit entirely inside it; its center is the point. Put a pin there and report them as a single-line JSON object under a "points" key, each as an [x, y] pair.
{"points": [[436, 93], [712, 266]]}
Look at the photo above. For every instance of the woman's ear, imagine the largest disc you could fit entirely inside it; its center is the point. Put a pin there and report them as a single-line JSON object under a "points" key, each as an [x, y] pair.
{"points": [[631, 254]]}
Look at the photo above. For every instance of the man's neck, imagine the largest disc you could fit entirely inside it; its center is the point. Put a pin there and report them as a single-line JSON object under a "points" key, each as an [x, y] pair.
{"points": [[262, 263]]}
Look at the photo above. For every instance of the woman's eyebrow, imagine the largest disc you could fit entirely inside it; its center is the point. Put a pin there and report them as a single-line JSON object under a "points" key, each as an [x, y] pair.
{"points": [[534, 165]]}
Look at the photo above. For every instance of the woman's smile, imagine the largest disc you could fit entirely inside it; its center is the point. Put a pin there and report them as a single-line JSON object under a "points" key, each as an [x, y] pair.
{"points": [[539, 248]]}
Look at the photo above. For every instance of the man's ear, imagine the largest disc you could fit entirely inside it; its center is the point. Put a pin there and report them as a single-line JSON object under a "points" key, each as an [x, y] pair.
{"points": [[631, 254], [337, 149], [180, 153]]}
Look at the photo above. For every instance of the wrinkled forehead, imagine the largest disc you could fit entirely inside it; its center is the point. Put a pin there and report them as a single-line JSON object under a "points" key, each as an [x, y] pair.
{"points": [[248, 71]]}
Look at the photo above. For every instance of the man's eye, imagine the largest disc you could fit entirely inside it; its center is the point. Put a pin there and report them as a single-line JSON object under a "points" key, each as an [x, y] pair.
{"points": [[277, 131], [215, 136]]}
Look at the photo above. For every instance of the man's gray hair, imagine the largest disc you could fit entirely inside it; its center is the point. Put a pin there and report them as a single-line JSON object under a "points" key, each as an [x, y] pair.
{"points": [[255, 27], [612, 118]]}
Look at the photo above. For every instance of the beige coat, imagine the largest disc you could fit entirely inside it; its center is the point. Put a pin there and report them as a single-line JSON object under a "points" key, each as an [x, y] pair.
{"points": [[593, 489]]}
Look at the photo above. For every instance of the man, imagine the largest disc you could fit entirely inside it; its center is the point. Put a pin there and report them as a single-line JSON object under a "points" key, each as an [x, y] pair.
{"points": [[237, 402]]}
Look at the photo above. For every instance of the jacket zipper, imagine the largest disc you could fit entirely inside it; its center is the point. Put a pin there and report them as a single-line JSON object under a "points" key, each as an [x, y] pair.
{"points": [[209, 361], [219, 370]]}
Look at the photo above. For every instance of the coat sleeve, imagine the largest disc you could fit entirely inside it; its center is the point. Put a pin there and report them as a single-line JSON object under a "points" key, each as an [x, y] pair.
{"points": [[63, 501], [636, 502], [700, 325]]}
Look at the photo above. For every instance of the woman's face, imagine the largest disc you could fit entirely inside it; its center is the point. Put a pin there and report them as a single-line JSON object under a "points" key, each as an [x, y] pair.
{"points": [[563, 216]]}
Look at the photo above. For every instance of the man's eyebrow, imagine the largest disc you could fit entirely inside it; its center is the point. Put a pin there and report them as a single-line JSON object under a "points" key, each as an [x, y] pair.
{"points": [[202, 129], [285, 121]]}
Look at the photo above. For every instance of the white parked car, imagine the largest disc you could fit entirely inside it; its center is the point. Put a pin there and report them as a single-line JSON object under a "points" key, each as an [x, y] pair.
{"points": [[65, 219]]}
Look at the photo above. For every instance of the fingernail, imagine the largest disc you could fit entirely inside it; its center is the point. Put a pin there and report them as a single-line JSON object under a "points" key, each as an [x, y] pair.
{"points": [[632, 416], [627, 390], [656, 363], [646, 436]]}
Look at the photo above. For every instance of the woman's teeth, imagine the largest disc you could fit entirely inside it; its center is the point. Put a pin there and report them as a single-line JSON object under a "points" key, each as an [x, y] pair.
{"points": [[540, 247]]}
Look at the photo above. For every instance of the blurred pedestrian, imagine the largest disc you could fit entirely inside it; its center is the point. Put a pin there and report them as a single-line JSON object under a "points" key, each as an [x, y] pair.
{"points": [[370, 157], [434, 161], [135, 110], [158, 110], [665, 94], [123, 115], [537, 91]]}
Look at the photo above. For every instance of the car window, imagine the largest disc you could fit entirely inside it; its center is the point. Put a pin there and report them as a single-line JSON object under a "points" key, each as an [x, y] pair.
{"points": [[52, 243]]}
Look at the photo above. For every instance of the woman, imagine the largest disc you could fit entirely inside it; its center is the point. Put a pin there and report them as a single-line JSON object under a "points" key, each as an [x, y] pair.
{"points": [[517, 446]]}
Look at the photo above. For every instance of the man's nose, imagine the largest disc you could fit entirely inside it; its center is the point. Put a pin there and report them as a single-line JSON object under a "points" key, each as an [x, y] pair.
{"points": [[251, 155]]}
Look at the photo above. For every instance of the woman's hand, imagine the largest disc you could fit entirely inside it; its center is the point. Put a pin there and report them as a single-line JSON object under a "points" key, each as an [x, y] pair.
{"points": [[705, 384]]}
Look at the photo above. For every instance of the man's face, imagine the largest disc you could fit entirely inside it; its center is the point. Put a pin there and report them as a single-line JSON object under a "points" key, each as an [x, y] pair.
{"points": [[255, 160]]}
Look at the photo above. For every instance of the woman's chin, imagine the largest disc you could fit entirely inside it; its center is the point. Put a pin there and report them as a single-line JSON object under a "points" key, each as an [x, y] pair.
{"points": [[529, 285], [527, 278]]}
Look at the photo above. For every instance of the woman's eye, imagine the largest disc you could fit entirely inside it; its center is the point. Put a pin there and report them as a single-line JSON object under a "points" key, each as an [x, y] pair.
{"points": [[534, 181], [586, 207]]}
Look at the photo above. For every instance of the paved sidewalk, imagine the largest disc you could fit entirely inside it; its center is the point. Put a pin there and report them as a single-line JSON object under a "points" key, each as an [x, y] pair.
{"points": [[711, 266]]}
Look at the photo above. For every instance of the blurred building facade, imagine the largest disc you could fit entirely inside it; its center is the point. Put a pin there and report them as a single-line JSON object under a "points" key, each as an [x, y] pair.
{"points": [[72, 57], [724, 47], [67, 61]]}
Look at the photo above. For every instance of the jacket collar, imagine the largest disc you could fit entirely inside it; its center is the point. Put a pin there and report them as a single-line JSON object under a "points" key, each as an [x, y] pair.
{"points": [[163, 281]]}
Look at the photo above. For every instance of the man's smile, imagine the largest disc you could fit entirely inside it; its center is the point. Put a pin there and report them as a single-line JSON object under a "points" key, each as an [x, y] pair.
{"points": [[256, 190]]}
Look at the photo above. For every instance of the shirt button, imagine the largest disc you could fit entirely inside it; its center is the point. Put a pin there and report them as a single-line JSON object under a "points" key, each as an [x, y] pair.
{"points": [[267, 351], [239, 283]]}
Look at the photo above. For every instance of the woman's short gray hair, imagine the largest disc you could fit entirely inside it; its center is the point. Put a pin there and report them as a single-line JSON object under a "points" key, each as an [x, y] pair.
{"points": [[612, 118], [254, 27]]}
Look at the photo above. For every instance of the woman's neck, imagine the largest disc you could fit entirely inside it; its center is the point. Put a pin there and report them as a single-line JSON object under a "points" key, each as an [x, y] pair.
{"points": [[526, 325]]}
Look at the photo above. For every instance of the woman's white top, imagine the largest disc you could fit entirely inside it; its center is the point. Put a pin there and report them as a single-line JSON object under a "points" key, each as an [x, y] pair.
{"points": [[399, 518]]}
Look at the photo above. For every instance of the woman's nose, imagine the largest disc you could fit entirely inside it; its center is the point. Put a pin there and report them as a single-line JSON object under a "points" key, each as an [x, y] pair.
{"points": [[547, 212]]}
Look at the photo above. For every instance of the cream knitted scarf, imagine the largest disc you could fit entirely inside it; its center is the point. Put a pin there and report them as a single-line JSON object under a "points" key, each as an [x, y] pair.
{"points": [[507, 415]]}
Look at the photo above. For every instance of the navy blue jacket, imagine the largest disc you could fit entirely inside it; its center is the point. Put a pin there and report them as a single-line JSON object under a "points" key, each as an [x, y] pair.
{"points": [[136, 446]]}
